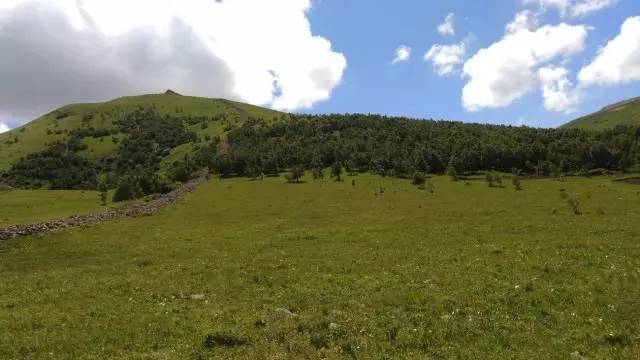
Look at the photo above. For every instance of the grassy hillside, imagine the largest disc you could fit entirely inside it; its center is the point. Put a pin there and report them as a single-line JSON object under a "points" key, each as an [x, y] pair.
{"points": [[623, 113], [34, 136], [331, 270]]}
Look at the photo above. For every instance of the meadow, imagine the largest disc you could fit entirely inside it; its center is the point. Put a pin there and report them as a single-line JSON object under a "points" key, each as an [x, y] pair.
{"points": [[19, 207], [366, 268]]}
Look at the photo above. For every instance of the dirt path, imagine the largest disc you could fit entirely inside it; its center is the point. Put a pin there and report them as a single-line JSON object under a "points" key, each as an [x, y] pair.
{"points": [[144, 209]]}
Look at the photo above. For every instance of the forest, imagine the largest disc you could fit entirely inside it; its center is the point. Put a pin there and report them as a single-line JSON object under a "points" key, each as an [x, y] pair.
{"points": [[400, 147], [388, 146]]}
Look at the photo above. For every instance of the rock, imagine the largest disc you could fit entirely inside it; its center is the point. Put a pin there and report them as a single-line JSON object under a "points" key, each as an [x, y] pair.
{"points": [[333, 326], [197, 297], [285, 313], [576, 355]]}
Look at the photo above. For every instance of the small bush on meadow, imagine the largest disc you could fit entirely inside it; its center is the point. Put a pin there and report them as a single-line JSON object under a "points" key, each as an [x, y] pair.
{"points": [[489, 178], [317, 173], [419, 179], [574, 202], [223, 339], [294, 176], [517, 183], [498, 179]]}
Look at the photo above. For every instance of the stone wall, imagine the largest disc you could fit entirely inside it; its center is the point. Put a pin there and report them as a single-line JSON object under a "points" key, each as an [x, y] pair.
{"points": [[143, 209]]}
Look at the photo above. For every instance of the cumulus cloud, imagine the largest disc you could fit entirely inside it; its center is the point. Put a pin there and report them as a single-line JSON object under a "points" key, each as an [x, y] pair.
{"points": [[573, 8], [558, 91], [447, 26], [618, 61], [60, 51], [402, 53], [446, 58], [524, 20], [508, 69]]}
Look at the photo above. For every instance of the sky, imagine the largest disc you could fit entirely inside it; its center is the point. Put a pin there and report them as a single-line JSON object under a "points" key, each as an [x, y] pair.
{"points": [[517, 62]]}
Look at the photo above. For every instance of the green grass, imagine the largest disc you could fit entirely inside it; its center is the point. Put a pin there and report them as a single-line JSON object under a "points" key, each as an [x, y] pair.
{"points": [[26, 206], [467, 272], [34, 136], [627, 114]]}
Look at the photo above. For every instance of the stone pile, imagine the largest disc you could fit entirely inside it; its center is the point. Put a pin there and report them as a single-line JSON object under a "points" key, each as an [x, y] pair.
{"points": [[143, 209]]}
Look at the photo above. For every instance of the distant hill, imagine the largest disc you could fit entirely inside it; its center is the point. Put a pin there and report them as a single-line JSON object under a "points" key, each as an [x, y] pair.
{"points": [[625, 112], [32, 137]]}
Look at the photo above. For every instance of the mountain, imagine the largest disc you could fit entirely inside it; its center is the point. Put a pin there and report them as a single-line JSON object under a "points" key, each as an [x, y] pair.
{"points": [[625, 112], [217, 116]]}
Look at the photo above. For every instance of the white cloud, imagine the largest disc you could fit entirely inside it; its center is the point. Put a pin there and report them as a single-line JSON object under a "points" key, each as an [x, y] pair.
{"points": [[4, 127], [524, 20], [573, 8], [618, 61], [558, 91], [507, 70], [402, 53], [60, 51], [447, 26], [446, 58]]}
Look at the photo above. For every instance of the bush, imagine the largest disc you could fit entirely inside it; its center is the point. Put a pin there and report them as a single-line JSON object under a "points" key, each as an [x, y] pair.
{"points": [[489, 178], [296, 173], [124, 192], [574, 202], [223, 339], [498, 179], [419, 179], [317, 173], [515, 180]]}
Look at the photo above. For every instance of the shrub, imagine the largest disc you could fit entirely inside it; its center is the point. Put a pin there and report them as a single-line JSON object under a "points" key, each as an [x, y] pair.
{"points": [[517, 184], [419, 179], [574, 202], [489, 178], [223, 339], [317, 173], [497, 178], [294, 176], [124, 192]]}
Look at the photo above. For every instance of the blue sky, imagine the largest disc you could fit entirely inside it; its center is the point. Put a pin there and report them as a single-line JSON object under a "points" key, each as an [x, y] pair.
{"points": [[520, 62], [368, 32]]}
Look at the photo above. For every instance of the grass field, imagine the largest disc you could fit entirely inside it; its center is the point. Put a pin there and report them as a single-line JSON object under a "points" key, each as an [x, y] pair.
{"points": [[27, 206], [328, 270]]}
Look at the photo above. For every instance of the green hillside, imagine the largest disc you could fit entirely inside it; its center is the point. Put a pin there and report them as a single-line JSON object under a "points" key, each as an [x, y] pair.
{"points": [[54, 126], [622, 113]]}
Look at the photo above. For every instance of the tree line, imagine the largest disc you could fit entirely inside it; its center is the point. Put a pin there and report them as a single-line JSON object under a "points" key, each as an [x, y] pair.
{"points": [[388, 146], [400, 147]]}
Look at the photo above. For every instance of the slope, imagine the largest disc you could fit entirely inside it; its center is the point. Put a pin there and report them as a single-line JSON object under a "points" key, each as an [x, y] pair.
{"points": [[625, 112], [221, 115]]}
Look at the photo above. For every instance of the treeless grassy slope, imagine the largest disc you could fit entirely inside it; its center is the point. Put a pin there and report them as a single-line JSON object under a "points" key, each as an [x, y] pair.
{"points": [[623, 113], [269, 270]]}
